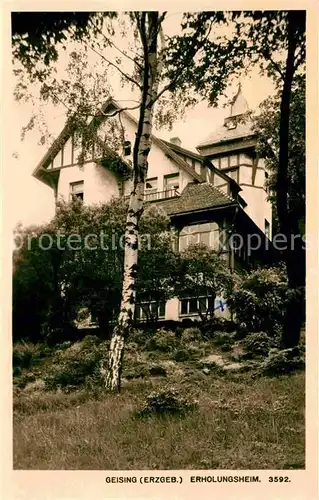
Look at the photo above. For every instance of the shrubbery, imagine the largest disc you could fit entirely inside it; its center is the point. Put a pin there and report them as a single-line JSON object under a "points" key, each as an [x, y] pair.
{"points": [[257, 344], [25, 354], [224, 340], [281, 362], [259, 302], [190, 334], [162, 341], [71, 367], [166, 402]]}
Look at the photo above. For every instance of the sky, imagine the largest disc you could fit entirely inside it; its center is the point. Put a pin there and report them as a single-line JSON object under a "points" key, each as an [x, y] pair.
{"points": [[35, 200]]}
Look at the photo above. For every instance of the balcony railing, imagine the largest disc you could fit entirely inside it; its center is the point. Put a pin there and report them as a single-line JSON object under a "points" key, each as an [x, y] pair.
{"points": [[153, 195]]}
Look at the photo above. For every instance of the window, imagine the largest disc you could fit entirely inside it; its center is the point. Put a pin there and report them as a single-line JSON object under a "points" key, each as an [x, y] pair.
{"points": [[233, 173], [207, 233], [171, 182], [127, 148], [234, 160], [151, 189], [267, 229], [193, 163], [192, 305], [77, 190], [203, 171], [224, 162], [266, 182], [147, 310]]}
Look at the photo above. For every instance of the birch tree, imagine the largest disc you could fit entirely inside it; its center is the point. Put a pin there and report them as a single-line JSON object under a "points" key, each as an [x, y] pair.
{"points": [[162, 91], [84, 111]]}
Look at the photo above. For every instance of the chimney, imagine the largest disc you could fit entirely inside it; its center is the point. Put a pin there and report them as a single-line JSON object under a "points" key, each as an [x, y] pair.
{"points": [[176, 141]]}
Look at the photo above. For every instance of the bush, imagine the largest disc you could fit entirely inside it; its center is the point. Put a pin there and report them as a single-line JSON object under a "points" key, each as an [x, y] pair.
{"points": [[259, 302], [139, 337], [166, 402], [72, 366], [190, 334], [210, 328], [25, 354], [24, 379], [162, 341], [257, 344], [135, 370], [224, 340], [280, 362]]}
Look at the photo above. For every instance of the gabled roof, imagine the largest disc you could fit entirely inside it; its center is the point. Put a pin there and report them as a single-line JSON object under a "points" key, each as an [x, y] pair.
{"points": [[196, 197], [69, 129], [223, 134], [184, 151]]}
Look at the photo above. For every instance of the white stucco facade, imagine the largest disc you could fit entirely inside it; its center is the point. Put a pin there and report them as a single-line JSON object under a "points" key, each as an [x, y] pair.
{"points": [[99, 184]]}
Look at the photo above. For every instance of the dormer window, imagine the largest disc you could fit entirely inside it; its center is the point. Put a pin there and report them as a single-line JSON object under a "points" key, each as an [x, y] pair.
{"points": [[230, 124], [77, 190], [171, 183], [127, 148]]}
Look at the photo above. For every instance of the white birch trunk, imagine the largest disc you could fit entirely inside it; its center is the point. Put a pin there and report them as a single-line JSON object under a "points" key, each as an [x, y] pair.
{"points": [[140, 164]]}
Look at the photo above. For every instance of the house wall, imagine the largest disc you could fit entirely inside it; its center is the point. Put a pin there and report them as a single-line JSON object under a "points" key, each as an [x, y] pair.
{"points": [[159, 164], [100, 185], [258, 208]]}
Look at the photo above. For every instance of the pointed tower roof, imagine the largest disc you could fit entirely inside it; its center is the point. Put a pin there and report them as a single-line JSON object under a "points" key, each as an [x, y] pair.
{"points": [[235, 125], [239, 105]]}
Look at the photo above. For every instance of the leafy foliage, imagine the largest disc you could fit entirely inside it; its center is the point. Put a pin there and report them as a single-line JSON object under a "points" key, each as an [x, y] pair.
{"points": [[162, 341], [259, 302], [281, 362], [83, 268], [75, 365], [257, 344], [166, 402], [204, 274], [36, 35], [266, 125]]}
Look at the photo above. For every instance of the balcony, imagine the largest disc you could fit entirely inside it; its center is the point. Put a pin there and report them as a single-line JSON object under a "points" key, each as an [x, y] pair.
{"points": [[154, 195]]}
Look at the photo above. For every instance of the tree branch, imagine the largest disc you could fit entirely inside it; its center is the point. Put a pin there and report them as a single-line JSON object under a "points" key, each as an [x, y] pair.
{"points": [[115, 46], [128, 77]]}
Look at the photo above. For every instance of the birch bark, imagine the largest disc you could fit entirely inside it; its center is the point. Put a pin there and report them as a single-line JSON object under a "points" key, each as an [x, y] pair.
{"points": [[149, 28]]}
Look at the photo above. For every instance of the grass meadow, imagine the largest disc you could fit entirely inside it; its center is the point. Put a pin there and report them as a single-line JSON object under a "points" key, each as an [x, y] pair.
{"points": [[241, 422]]}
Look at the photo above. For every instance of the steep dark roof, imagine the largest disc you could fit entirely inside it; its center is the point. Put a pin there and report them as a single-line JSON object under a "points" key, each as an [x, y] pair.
{"points": [[182, 150], [195, 197], [68, 130]]}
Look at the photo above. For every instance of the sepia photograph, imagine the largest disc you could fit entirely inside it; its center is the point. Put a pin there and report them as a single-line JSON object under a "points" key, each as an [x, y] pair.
{"points": [[158, 211]]}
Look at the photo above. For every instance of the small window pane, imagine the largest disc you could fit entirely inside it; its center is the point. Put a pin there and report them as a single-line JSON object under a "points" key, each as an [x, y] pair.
{"points": [[210, 304], [233, 160], [202, 305], [153, 309], [137, 312], [224, 162], [161, 311], [192, 305], [184, 304]]}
